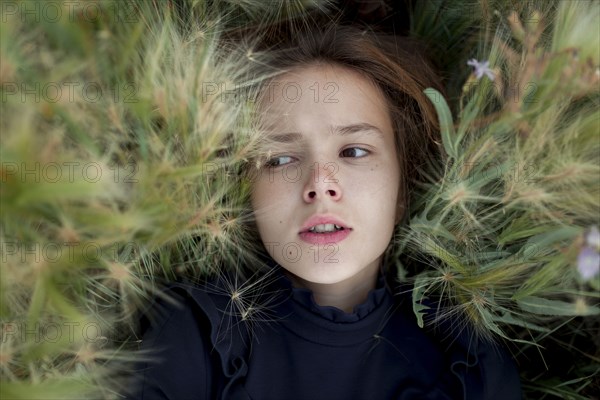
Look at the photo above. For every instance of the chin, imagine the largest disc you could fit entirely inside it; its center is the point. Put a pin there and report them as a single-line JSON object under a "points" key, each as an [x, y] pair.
{"points": [[327, 274]]}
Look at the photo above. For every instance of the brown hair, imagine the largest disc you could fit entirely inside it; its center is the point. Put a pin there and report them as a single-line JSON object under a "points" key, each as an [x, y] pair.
{"points": [[395, 64]]}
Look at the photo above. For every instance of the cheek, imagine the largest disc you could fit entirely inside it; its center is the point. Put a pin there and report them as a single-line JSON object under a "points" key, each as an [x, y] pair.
{"points": [[261, 193], [393, 175], [257, 201], [381, 191], [383, 181], [255, 198], [266, 202]]}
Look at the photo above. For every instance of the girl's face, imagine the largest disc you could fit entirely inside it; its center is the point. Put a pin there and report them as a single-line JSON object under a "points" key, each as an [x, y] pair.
{"points": [[332, 160]]}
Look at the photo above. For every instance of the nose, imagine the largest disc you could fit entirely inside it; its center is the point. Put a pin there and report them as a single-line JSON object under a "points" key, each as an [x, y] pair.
{"points": [[322, 183]]}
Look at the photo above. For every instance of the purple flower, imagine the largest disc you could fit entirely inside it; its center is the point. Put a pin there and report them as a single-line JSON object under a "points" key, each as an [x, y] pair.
{"points": [[481, 68], [588, 263]]}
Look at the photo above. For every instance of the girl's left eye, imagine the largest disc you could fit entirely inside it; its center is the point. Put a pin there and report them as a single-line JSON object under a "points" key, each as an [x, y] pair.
{"points": [[278, 161], [354, 152]]}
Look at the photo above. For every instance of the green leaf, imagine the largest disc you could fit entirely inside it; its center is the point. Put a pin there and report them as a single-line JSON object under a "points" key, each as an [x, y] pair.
{"points": [[418, 295], [507, 318], [554, 236], [55, 388], [538, 305], [449, 138]]}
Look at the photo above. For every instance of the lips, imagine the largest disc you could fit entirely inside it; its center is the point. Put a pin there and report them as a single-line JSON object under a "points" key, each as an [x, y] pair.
{"points": [[322, 220], [324, 237]]}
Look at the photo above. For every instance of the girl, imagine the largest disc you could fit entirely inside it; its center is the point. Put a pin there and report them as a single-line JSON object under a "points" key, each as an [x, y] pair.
{"points": [[345, 128]]}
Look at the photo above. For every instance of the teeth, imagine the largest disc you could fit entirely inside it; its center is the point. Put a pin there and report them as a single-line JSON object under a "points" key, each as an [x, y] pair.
{"points": [[325, 228]]}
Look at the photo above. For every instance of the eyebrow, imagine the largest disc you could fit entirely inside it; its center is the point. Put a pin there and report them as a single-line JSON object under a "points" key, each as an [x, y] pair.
{"points": [[351, 129], [356, 128]]}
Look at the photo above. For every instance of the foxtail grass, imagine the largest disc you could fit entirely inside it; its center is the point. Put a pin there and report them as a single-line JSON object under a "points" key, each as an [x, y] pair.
{"points": [[504, 220], [123, 134]]}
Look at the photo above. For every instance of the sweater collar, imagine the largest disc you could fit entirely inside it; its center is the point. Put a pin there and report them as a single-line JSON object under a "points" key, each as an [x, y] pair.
{"points": [[330, 325]]}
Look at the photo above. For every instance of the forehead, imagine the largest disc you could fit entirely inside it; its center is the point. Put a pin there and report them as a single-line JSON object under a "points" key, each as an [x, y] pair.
{"points": [[323, 92]]}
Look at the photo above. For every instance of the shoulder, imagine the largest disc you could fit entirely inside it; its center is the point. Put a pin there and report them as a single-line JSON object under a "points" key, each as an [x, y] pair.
{"points": [[496, 370], [177, 357], [174, 354], [483, 366]]}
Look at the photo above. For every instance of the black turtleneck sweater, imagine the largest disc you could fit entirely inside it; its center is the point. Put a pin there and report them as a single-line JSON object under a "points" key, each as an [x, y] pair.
{"points": [[276, 343]]}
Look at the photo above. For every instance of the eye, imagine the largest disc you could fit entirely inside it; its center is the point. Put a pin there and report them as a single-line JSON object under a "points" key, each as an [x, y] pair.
{"points": [[354, 152], [278, 161]]}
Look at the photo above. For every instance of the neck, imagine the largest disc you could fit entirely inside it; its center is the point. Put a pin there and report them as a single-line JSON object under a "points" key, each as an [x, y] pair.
{"points": [[346, 294]]}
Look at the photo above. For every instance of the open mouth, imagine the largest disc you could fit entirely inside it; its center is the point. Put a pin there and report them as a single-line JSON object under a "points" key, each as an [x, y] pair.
{"points": [[324, 234], [325, 228]]}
